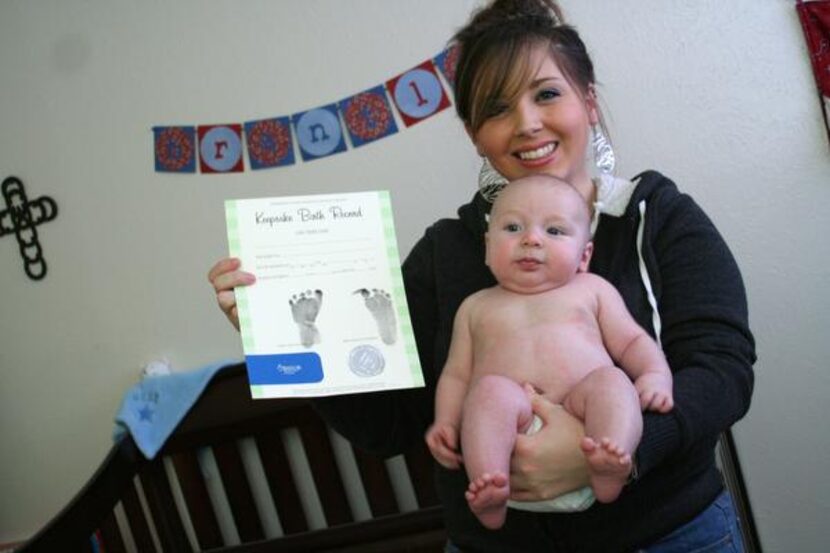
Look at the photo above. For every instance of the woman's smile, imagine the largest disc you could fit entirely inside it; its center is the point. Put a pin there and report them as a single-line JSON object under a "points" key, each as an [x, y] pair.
{"points": [[538, 155]]}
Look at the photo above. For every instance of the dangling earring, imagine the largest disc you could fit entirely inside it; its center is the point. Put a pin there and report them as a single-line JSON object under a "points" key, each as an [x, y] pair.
{"points": [[603, 153], [490, 181]]}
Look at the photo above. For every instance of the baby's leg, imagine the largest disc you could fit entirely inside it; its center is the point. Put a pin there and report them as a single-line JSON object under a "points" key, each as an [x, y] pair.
{"points": [[496, 408], [607, 402]]}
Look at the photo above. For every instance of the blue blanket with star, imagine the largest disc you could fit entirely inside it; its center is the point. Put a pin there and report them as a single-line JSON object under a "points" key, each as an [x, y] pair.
{"points": [[152, 409]]}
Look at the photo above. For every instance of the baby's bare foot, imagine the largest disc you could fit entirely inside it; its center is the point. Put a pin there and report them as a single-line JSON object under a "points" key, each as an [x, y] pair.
{"points": [[487, 496], [609, 465]]}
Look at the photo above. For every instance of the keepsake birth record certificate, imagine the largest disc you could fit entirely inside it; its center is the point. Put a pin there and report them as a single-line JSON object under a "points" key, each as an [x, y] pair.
{"points": [[328, 313]]}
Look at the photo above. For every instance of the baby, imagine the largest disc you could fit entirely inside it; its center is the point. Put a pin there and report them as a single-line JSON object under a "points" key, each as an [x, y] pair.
{"points": [[549, 324]]}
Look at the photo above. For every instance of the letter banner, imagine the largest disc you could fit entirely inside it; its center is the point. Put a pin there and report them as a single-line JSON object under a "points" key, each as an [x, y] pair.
{"points": [[815, 20], [318, 132], [418, 93], [446, 62], [220, 148], [269, 143], [175, 149], [368, 116]]}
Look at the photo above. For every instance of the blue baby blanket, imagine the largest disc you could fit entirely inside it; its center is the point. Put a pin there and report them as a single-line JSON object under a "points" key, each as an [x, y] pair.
{"points": [[152, 409]]}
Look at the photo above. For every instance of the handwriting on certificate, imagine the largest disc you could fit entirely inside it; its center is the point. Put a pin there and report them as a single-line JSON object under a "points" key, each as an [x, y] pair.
{"points": [[317, 252]]}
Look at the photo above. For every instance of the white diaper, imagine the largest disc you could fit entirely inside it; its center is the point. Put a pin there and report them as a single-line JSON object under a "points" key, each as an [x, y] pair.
{"points": [[577, 500]]}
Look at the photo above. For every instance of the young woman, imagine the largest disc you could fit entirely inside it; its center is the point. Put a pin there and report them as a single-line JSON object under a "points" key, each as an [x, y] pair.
{"points": [[525, 89]]}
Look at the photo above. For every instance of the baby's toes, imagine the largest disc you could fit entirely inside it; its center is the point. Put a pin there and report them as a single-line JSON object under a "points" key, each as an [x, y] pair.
{"points": [[588, 444], [499, 480]]}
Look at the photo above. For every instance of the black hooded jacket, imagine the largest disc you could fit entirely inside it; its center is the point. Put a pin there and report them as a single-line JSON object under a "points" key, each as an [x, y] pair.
{"points": [[676, 274]]}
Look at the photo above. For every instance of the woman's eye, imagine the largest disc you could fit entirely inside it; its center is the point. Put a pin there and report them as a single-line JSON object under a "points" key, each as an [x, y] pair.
{"points": [[548, 94], [494, 109]]}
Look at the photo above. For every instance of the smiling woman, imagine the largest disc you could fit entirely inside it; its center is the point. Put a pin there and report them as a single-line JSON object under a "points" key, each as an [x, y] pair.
{"points": [[525, 91]]}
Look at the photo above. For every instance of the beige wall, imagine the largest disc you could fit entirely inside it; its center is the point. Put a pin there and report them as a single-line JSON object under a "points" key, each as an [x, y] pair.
{"points": [[718, 95]]}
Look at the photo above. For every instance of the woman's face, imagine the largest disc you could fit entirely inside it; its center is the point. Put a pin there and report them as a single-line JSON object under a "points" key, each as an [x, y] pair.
{"points": [[545, 130]]}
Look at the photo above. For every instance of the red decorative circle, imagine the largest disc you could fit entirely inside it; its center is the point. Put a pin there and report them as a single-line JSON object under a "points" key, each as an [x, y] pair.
{"points": [[174, 149], [367, 116], [450, 63], [268, 142]]}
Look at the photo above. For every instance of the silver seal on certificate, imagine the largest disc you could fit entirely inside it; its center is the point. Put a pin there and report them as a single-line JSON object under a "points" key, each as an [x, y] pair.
{"points": [[366, 361]]}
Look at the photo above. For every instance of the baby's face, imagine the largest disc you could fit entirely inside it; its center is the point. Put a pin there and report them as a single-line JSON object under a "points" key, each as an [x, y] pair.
{"points": [[538, 236]]}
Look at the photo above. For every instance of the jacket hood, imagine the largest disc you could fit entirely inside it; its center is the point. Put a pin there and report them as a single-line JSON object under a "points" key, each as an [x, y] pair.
{"points": [[620, 197], [473, 215], [615, 196], [647, 184]]}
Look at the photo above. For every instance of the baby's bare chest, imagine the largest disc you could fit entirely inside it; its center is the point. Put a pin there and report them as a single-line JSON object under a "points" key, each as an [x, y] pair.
{"points": [[551, 341]]}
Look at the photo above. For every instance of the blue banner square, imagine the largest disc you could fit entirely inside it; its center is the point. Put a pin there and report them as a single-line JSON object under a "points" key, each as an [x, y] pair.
{"points": [[318, 132], [368, 116]]}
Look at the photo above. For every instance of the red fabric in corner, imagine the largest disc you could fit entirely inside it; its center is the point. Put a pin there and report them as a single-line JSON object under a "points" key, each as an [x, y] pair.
{"points": [[815, 20]]}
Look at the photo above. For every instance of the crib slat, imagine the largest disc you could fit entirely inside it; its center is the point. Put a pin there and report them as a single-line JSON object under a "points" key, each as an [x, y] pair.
{"points": [[111, 535], [324, 469], [419, 464], [138, 523], [197, 499], [238, 492], [281, 483], [376, 483], [166, 518]]}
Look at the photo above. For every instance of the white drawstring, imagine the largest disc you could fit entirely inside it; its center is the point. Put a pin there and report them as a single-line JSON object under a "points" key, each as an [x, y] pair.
{"points": [[652, 300]]}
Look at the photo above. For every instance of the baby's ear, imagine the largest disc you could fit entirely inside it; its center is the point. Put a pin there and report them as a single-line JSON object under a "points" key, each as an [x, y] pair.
{"points": [[586, 258]]}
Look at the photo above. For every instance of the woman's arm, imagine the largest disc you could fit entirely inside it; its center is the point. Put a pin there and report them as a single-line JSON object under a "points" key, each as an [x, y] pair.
{"points": [[389, 422], [382, 422], [705, 334]]}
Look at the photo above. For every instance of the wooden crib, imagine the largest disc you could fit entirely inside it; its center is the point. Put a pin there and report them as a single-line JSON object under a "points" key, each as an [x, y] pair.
{"points": [[322, 495]]}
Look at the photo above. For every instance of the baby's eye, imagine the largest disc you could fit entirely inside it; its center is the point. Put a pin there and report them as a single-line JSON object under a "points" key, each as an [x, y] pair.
{"points": [[553, 231], [512, 227], [548, 94]]}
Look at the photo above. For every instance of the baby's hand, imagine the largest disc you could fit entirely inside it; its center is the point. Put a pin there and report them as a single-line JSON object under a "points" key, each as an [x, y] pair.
{"points": [[655, 391], [442, 440]]}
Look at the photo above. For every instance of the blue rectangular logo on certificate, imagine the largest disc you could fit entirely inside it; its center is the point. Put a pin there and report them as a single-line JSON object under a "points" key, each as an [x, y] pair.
{"points": [[286, 368]]}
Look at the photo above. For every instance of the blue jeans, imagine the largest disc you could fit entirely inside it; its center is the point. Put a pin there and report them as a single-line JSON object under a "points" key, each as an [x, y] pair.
{"points": [[715, 530]]}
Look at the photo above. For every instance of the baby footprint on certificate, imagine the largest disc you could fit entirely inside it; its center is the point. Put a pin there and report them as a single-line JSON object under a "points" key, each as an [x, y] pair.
{"points": [[379, 304], [304, 309]]}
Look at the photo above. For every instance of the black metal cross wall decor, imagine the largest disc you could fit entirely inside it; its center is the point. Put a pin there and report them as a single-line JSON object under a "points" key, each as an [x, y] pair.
{"points": [[21, 217]]}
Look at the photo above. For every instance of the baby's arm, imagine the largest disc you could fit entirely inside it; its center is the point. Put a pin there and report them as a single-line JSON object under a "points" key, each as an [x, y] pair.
{"points": [[443, 436], [633, 349]]}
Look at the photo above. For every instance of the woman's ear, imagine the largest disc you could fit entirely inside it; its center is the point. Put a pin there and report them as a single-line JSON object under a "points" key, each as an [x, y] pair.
{"points": [[472, 136]]}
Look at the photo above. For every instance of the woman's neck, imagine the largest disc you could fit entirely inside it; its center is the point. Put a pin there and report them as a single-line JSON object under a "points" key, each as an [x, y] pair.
{"points": [[587, 189]]}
